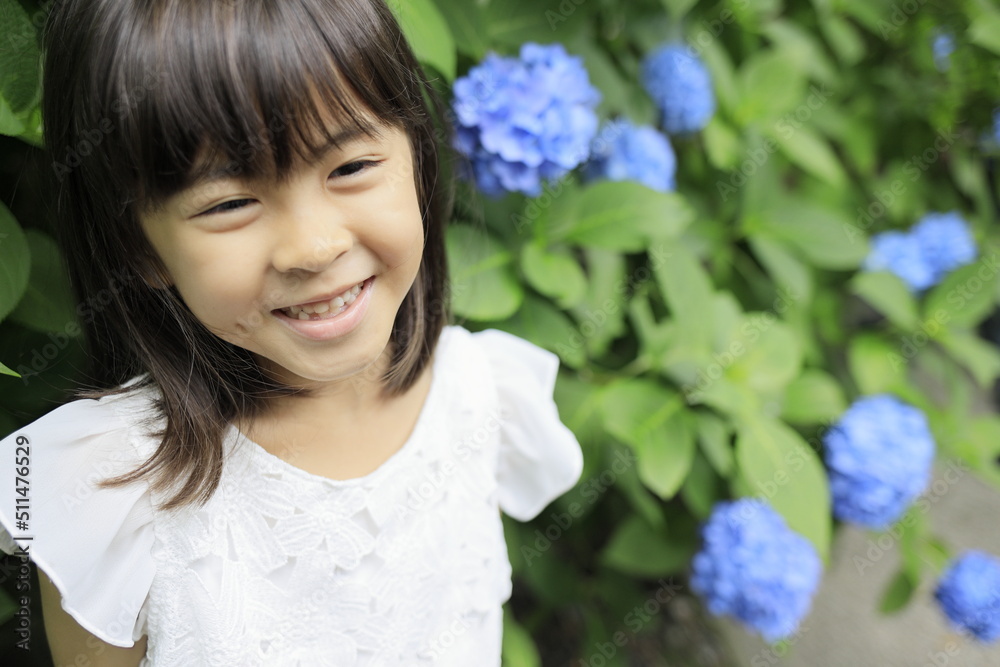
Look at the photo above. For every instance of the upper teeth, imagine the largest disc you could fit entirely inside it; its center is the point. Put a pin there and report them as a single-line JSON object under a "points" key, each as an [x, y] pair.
{"points": [[337, 302]]}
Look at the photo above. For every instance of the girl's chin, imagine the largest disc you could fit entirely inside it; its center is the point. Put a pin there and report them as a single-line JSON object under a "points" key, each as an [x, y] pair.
{"points": [[313, 377]]}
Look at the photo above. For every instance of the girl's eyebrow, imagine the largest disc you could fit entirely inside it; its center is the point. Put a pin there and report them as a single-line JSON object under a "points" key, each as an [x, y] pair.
{"points": [[223, 172]]}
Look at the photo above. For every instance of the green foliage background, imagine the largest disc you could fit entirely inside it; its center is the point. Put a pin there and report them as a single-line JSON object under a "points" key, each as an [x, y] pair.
{"points": [[714, 333]]}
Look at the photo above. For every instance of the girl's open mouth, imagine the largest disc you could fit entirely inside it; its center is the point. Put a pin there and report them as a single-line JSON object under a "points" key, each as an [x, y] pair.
{"points": [[325, 310], [328, 319]]}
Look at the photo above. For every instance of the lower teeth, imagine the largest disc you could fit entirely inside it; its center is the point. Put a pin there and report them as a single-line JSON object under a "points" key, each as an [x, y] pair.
{"points": [[325, 316]]}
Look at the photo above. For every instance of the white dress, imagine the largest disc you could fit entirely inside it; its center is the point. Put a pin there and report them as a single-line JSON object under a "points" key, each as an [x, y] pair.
{"points": [[404, 566]]}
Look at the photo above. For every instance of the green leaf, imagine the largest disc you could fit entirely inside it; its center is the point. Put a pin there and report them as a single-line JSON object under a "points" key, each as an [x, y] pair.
{"points": [[10, 123], [781, 469], [843, 38], [722, 144], [784, 268], [700, 491], [889, 295], [484, 285], [6, 371], [640, 551], [555, 273], [688, 291], [19, 59], [651, 419], [627, 216], [48, 303], [678, 8], [713, 437], [515, 22], [985, 31], [536, 320], [982, 359], [770, 85], [820, 234], [811, 152], [468, 28], [876, 366], [812, 398], [966, 295], [766, 352], [603, 307], [518, 648], [15, 262], [897, 593], [428, 33]]}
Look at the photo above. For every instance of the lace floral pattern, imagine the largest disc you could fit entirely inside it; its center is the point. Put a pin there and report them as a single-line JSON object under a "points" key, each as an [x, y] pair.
{"points": [[405, 566]]}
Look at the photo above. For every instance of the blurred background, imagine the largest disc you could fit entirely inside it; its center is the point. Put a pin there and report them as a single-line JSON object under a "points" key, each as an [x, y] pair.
{"points": [[761, 237]]}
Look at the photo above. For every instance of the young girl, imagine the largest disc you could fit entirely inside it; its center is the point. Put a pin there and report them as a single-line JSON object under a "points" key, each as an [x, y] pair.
{"points": [[288, 457]]}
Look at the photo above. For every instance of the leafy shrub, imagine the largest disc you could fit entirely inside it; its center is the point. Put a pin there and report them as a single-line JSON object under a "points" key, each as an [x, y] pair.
{"points": [[711, 332]]}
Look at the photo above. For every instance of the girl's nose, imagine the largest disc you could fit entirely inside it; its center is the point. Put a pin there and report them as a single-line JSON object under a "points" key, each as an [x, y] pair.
{"points": [[311, 238]]}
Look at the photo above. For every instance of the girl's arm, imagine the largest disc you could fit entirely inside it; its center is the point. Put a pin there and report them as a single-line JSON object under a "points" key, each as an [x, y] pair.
{"points": [[69, 642]]}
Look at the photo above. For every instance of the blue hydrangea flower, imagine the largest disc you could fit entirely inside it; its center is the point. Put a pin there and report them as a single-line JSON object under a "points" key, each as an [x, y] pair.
{"points": [[623, 151], [681, 87], [942, 45], [901, 254], [879, 456], [934, 247], [523, 121], [969, 594], [946, 242], [753, 567]]}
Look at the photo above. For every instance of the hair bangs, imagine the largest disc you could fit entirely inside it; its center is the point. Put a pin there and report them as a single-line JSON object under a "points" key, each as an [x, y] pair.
{"points": [[245, 89]]}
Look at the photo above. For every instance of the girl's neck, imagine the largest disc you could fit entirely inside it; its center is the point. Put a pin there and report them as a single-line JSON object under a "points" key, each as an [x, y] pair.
{"points": [[338, 439]]}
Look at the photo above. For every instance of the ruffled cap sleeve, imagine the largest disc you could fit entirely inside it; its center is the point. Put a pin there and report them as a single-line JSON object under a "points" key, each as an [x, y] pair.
{"points": [[93, 543], [540, 458]]}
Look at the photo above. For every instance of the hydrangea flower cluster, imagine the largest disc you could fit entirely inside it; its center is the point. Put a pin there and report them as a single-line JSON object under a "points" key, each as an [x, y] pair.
{"points": [[681, 87], [934, 247], [879, 456], [523, 121], [753, 567], [942, 45], [622, 151], [969, 594]]}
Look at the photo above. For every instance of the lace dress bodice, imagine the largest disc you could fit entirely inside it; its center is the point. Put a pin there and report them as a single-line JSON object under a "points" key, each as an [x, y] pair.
{"points": [[404, 566]]}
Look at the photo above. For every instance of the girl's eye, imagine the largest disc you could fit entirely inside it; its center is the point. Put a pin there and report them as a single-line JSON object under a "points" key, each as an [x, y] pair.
{"points": [[227, 206], [352, 168]]}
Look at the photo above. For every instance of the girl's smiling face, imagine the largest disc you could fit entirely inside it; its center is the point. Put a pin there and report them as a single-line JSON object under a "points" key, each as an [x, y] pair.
{"points": [[240, 250]]}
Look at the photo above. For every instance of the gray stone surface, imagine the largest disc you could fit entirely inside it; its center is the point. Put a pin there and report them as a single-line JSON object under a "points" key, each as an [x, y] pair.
{"points": [[844, 627]]}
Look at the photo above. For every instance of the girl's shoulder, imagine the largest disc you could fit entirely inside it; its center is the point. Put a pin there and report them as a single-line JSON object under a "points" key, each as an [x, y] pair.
{"points": [[84, 537], [540, 457]]}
